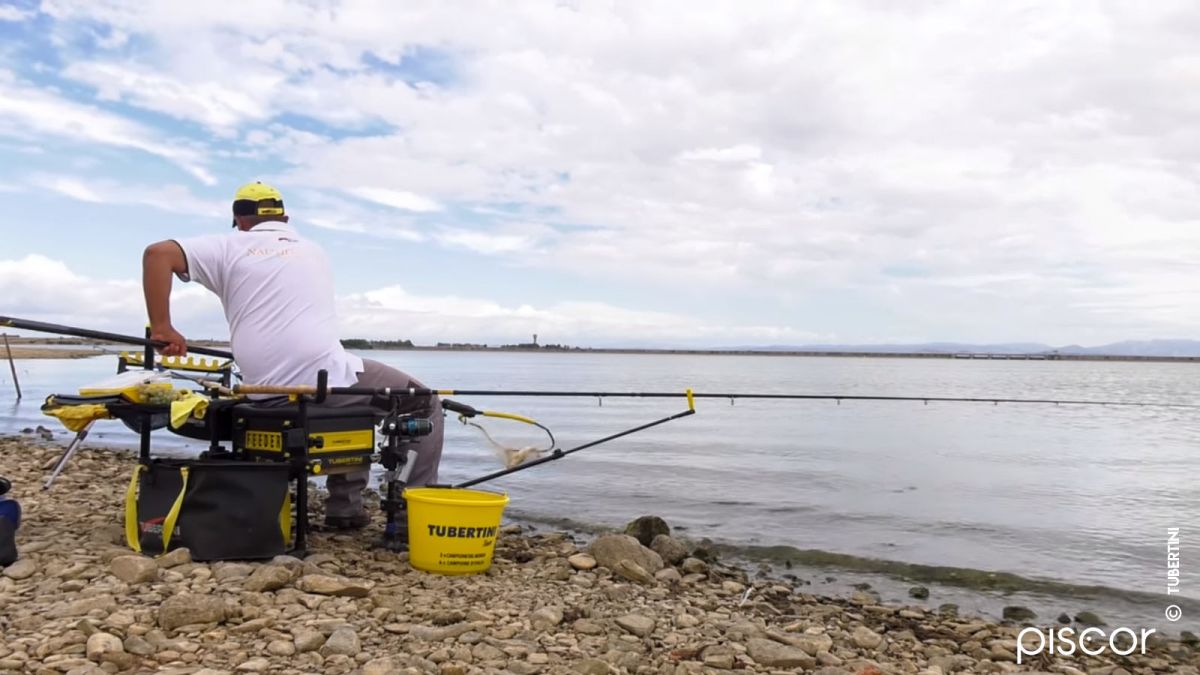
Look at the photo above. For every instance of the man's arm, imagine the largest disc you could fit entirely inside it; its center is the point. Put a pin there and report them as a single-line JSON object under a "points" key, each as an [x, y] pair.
{"points": [[159, 263]]}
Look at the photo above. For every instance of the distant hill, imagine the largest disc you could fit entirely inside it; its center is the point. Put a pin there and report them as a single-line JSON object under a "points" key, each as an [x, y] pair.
{"points": [[1139, 348], [1160, 348]]}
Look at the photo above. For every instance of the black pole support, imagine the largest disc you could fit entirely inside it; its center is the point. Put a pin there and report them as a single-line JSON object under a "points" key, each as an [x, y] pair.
{"points": [[559, 453]]}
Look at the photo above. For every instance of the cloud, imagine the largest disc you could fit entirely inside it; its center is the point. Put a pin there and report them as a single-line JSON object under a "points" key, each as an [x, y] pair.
{"points": [[1028, 163], [170, 198], [15, 14], [44, 289], [217, 104], [509, 238], [393, 312], [737, 153], [40, 288], [28, 110], [398, 199]]}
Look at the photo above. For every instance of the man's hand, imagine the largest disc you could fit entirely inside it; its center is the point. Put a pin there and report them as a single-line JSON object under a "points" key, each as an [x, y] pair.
{"points": [[176, 343]]}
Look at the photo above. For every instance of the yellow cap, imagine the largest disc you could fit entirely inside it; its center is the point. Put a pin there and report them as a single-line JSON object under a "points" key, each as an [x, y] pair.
{"points": [[257, 199]]}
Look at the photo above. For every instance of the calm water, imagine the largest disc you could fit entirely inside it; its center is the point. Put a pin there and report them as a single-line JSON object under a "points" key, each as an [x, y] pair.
{"points": [[1082, 495]]}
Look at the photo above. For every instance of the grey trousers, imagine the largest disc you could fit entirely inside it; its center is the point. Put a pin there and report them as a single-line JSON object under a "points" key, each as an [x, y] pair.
{"points": [[346, 490]]}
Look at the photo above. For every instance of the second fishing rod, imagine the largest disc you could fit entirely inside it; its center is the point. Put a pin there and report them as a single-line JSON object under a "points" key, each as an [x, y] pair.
{"points": [[320, 391]]}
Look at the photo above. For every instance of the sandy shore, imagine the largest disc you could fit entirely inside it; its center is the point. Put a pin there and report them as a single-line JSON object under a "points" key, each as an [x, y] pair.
{"points": [[19, 352], [79, 602]]}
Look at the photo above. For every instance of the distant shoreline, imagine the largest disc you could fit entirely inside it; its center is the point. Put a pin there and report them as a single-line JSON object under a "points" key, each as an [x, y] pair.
{"points": [[27, 342], [755, 352]]}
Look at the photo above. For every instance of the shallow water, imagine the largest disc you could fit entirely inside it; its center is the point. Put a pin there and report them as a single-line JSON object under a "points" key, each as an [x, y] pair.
{"points": [[1078, 495]]}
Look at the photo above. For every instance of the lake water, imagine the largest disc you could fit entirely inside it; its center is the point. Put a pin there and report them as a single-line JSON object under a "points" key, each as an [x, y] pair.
{"points": [[1073, 494]]}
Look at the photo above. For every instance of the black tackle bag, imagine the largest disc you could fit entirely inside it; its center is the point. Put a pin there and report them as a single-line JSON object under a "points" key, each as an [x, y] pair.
{"points": [[219, 510]]}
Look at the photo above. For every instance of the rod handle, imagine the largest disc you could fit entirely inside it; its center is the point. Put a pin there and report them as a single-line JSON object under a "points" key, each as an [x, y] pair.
{"points": [[291, 390]]}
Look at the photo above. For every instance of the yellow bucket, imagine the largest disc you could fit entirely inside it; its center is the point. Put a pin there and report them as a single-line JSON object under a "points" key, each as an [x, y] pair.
{"points": [[453, 530]]}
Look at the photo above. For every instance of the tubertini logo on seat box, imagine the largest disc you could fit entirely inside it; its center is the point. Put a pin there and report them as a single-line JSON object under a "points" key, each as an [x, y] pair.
{"points": [[451, 532]]}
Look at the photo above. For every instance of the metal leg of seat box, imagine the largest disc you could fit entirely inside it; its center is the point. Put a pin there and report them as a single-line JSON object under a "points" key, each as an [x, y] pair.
{"points": [[67, 455]]}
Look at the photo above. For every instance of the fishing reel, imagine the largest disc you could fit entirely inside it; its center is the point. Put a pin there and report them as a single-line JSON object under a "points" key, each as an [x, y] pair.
{"points": [[405, 426]]}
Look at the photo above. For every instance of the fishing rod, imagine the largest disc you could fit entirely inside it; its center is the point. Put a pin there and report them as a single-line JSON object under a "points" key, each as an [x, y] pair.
{"points": [[418, 391], [25, 324], [731, 397]]}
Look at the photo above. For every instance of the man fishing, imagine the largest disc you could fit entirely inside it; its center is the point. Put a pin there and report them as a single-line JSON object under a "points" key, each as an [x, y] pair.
{"points": [[278, 294]]}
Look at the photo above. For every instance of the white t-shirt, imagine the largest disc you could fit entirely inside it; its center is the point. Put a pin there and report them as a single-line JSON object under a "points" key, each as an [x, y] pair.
{"points": [[277, 291]]}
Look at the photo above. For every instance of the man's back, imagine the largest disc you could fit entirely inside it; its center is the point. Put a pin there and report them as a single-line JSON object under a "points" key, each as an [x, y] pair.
{"points": [[277, 291]]}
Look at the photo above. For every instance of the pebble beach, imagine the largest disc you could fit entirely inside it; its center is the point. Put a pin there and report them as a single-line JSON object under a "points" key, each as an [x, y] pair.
{"points": [[78, 601]]}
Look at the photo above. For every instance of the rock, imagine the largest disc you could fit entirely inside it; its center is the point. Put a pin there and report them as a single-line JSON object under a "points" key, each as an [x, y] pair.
{"points": [[1189, 638], [387, 665], [1018, 613], [587, 627], [281, 647], [811, 644], [100, 645], [610, 549], [627, 569], [593, 667], [1089, 619], [865, 638], [136, 644], [865, 598], [948, 609], [439, 633], [255, 665], [669, 548], [98, 603], [322, 584], [186, 608], [307, 639], [918, 592], [668, 575], [485, 652], [1064, 618], [693, 566], [545, 618], [719, 661], [743, 630], [773, 654], [343, 641], [582, 561], [134, 569], [175, 558], [21, 569], [253, 625], [637, 624], [646, 528], [268, 578], [227, 571], [289, 561]]}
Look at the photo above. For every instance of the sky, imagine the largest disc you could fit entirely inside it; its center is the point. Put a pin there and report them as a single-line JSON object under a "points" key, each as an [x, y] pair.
{"points": [[641, 174]]}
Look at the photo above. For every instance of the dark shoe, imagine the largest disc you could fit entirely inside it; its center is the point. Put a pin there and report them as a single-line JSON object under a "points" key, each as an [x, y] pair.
{"points": [[356, 522]]}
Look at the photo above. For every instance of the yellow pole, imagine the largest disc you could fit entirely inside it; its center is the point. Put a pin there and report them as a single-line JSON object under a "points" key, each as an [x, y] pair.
{"points": [[12, 366]]}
